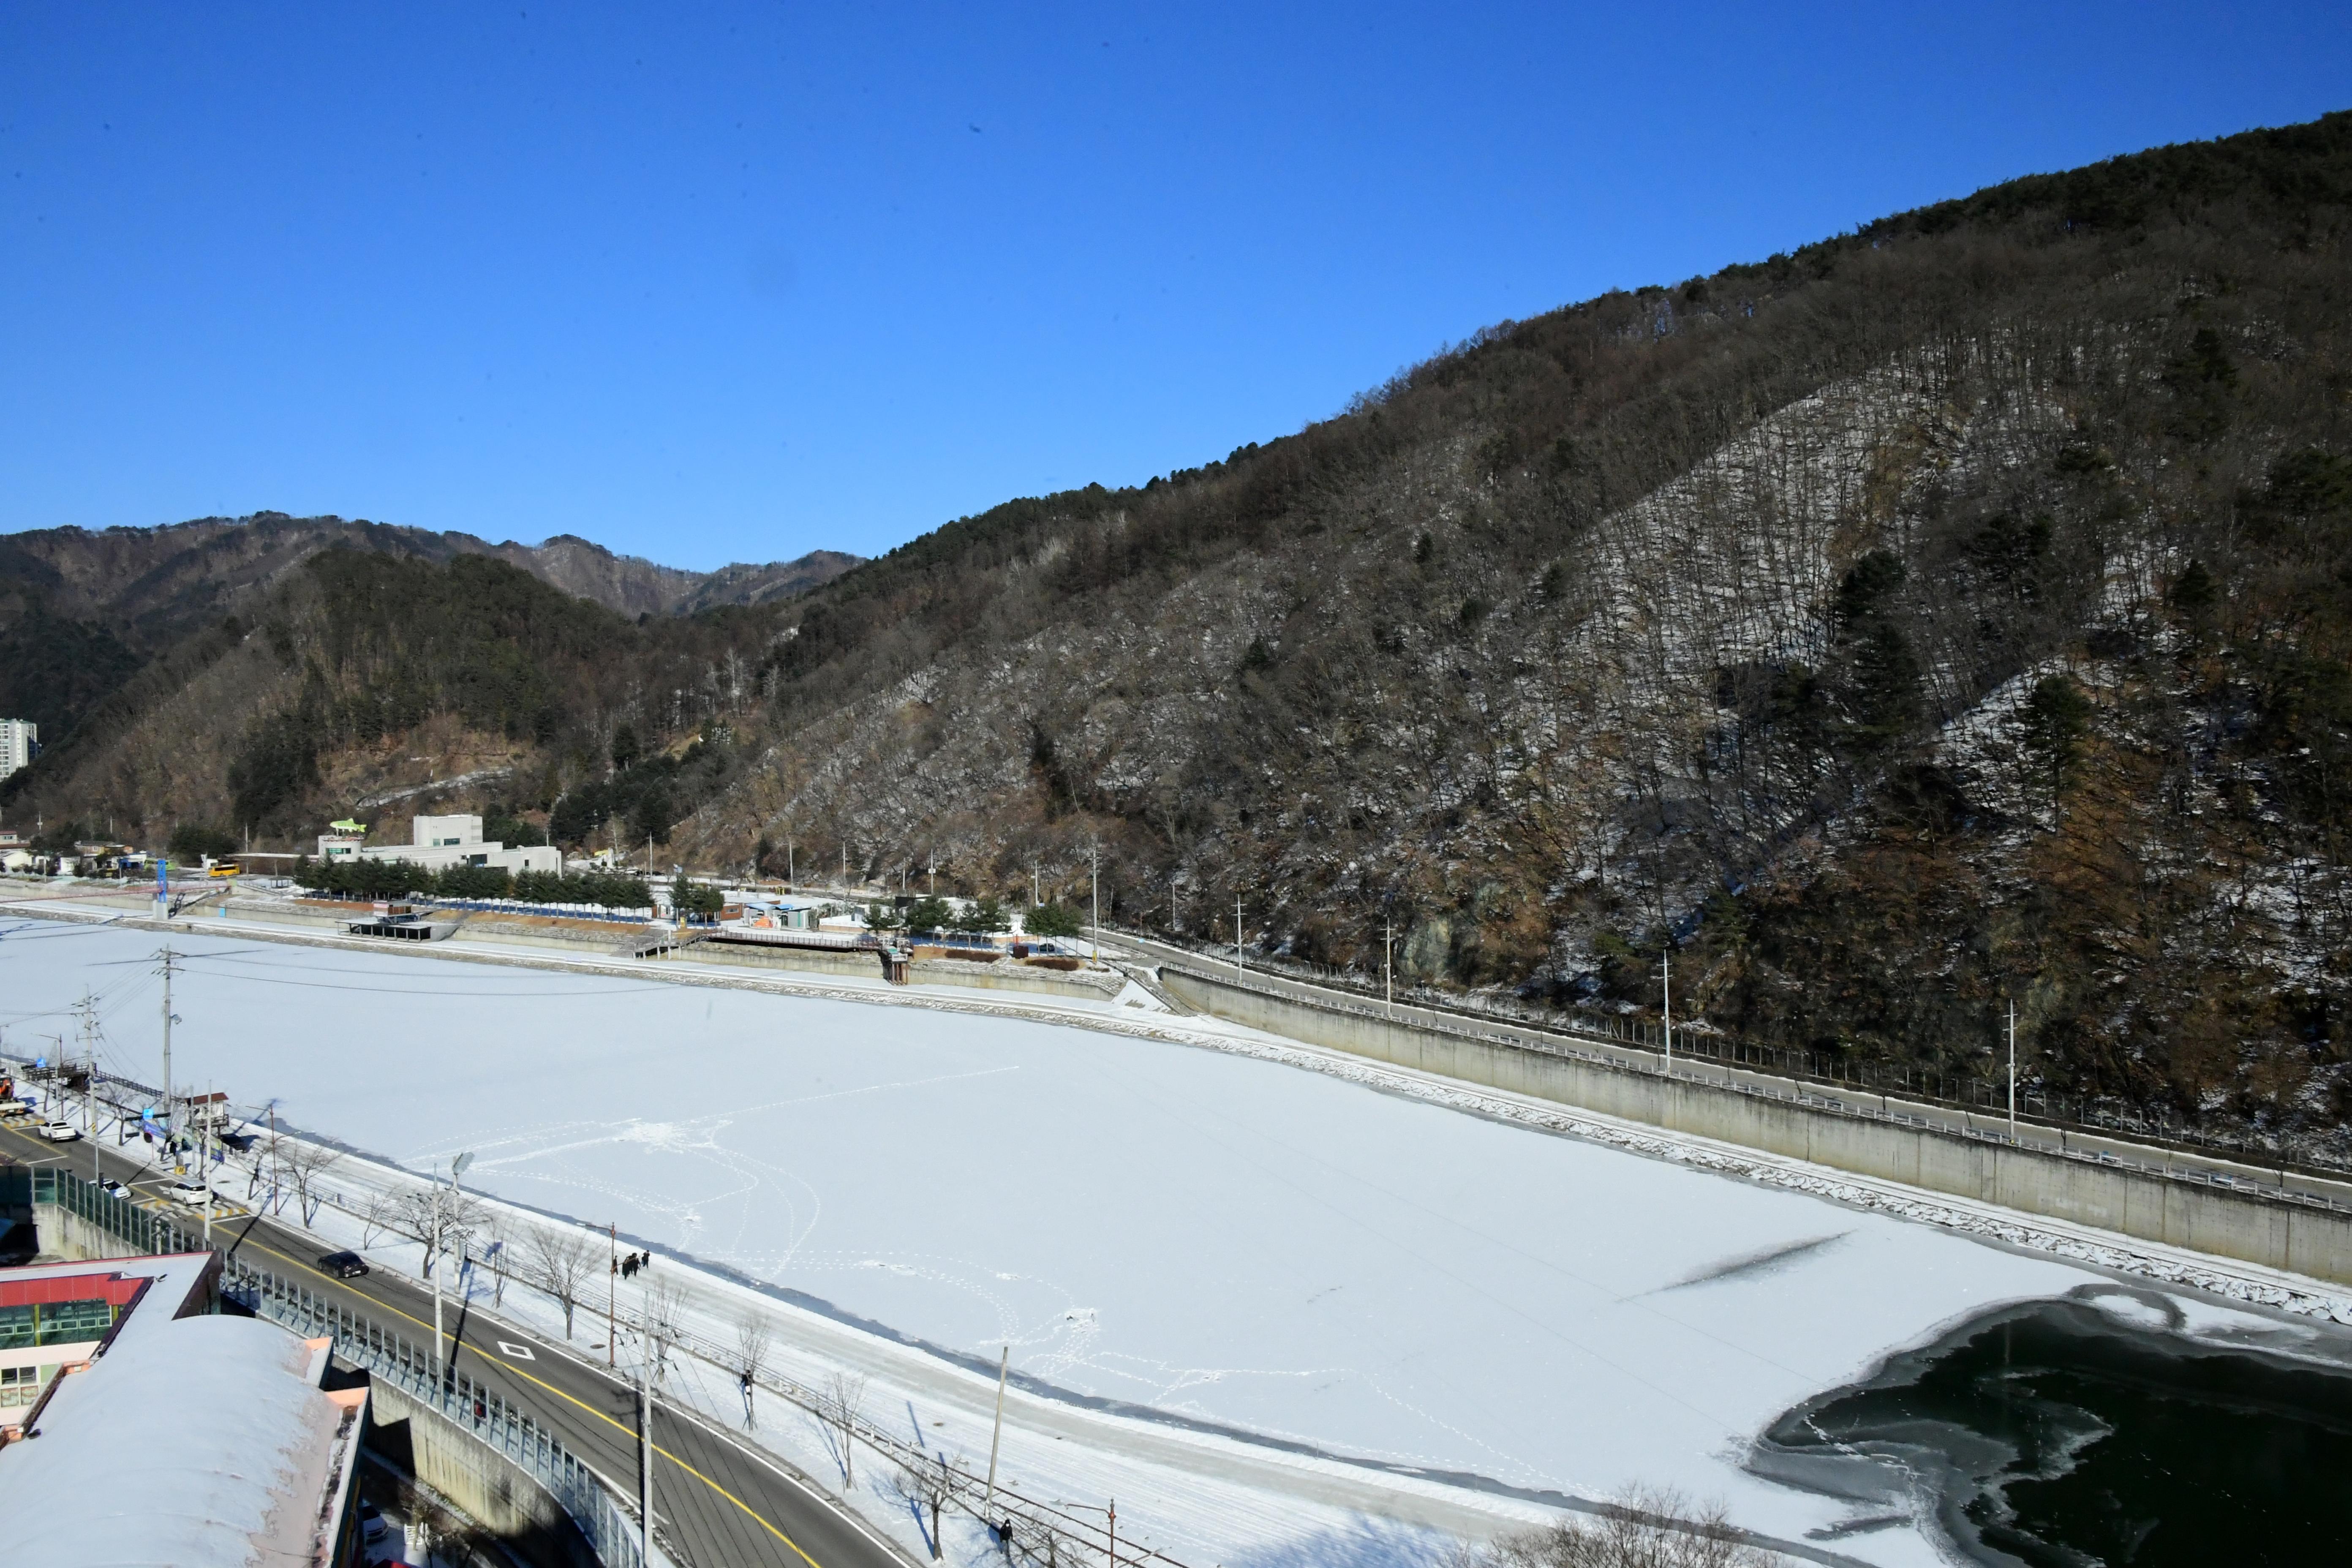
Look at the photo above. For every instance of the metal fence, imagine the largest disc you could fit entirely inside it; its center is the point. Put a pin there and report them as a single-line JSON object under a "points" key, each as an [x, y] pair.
{"points": [[1043, 1534], [611, 1530], [1348, 990]]}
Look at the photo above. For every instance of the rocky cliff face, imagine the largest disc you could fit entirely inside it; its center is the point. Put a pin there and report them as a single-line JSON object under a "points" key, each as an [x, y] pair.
{"points": [[1951, 613]]}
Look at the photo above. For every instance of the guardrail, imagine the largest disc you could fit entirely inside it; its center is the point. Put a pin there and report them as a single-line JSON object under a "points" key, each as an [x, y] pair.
{"points": [[1352, 989], [611, 1530], [1043, 1533], [1797, 1092]]}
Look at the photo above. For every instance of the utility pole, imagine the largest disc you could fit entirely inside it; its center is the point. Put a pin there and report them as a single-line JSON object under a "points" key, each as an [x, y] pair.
{"points": [[844, 865], [1388, 962], [204, 1165], [169, 1119], [1003, 1366], [1096, 860], [1666, 1011], [792, 866], [646, 1451], [2012, 1070], [89, 1091], [612, 1290], [1237, 936]]}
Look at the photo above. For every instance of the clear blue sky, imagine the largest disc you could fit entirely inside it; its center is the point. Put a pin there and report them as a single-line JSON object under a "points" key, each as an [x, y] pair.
{"points": [[712, 283]]}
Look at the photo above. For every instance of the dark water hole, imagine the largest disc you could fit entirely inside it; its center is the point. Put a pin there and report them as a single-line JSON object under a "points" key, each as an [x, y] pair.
{"points": [[2059, 1435]]}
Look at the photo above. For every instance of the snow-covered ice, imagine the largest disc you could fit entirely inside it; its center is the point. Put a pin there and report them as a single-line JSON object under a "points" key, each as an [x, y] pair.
{"points": [[1193, 1232]]}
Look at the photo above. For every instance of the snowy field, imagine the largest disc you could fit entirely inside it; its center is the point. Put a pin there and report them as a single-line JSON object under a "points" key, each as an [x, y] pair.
{"points": [[1185, 1230]]}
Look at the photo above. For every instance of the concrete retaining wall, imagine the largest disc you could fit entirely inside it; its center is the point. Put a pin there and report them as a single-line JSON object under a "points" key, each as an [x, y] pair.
{"points": [[474, 1479], [2303, 1240]]}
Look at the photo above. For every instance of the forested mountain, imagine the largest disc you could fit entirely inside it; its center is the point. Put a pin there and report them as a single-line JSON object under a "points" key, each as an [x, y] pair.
{"points": [[1955, 610], [81, 611]]}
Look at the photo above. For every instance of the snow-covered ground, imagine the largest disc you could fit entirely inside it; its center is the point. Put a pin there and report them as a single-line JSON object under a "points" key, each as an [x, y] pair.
{"points": [[1197, 1233]]}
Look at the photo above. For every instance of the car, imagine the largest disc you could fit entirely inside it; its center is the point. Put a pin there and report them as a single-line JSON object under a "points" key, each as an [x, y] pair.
{"points": [[343, 1265], [59, 1132], [188, 1190], [113, 1188]]}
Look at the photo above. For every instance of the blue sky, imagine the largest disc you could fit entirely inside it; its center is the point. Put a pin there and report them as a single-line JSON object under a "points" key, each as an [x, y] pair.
{"points": [[713, 283]]}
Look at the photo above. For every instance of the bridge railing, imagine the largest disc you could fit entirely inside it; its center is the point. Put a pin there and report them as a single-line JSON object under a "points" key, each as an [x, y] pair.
{"points": [[610, 1528]]}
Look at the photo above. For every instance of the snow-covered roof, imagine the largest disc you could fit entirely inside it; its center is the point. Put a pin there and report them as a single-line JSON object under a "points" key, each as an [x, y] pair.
{"points": [[202, 1442]]}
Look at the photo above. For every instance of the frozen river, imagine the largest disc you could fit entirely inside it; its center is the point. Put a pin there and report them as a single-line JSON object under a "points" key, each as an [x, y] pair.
{"points": [[1211, 1236]]}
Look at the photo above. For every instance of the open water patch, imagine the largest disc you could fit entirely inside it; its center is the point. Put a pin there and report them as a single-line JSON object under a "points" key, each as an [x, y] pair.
{"points": [[2093, 1431]]}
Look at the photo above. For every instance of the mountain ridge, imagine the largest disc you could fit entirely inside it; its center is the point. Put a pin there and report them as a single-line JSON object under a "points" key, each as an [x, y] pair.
{"points": [[1954, 611], [119, 596]]}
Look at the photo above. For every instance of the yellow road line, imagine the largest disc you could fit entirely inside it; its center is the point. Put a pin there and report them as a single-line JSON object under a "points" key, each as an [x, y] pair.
{"points": [[755, 1514]]}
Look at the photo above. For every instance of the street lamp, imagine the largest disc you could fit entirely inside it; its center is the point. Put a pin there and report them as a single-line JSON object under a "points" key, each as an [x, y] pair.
{"points": [[440, 1223]]}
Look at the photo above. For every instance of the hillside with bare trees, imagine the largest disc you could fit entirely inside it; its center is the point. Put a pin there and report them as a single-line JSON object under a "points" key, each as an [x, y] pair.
{"points": [[1953, 612]]}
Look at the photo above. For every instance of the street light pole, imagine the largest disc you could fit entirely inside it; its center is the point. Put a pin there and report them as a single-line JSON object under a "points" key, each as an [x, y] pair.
{"points": [[440, 1229], [432, 1267], [1666, 1011], [2012, 1070], [996, 1436], [1388, 962], [646, 1451], [1097, 862], [1237, 936]]}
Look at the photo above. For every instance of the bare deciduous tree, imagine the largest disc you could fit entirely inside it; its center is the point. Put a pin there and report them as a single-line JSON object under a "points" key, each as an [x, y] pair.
{"points": [[1652, 1529], [301, 1165], [927, 1486], [841, 1404], [442, 1217], [753, 1339], [665, 1322], [557, 1261], [497, 1251]]}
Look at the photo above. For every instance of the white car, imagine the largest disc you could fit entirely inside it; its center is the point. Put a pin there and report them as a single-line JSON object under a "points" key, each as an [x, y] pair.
{"points": [[113, 1188], [59, 1132], [189, 1191]]}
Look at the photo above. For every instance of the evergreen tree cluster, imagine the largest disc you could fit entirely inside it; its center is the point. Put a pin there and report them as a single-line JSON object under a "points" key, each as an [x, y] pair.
{"points": [[403, 878]]}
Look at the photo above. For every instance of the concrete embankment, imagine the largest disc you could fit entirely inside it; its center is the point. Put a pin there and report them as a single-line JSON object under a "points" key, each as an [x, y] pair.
{"points": [[2301, 1237], [600, 938]]}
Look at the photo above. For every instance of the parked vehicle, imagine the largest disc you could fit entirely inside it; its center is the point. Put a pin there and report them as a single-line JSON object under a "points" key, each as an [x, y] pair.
{"points": [[343, 1265], [59, 1132]]}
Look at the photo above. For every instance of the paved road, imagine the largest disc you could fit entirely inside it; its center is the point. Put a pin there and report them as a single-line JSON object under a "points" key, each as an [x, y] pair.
{"points": [[718, 1503]]}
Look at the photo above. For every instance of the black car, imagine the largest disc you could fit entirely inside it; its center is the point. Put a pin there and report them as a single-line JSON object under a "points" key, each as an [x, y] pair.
{"points": [[343, 1265]]}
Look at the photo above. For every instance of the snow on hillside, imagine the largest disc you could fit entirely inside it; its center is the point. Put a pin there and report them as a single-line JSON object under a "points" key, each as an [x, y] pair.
{"points": [[1191, 1232]]}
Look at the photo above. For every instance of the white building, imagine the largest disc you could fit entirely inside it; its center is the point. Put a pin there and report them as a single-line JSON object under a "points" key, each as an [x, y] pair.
{"points": [[440, 842], [20, 742]]}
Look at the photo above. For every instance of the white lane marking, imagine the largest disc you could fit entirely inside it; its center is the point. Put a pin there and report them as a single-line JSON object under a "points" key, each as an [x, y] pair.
{"points": [[519, 1353]]}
